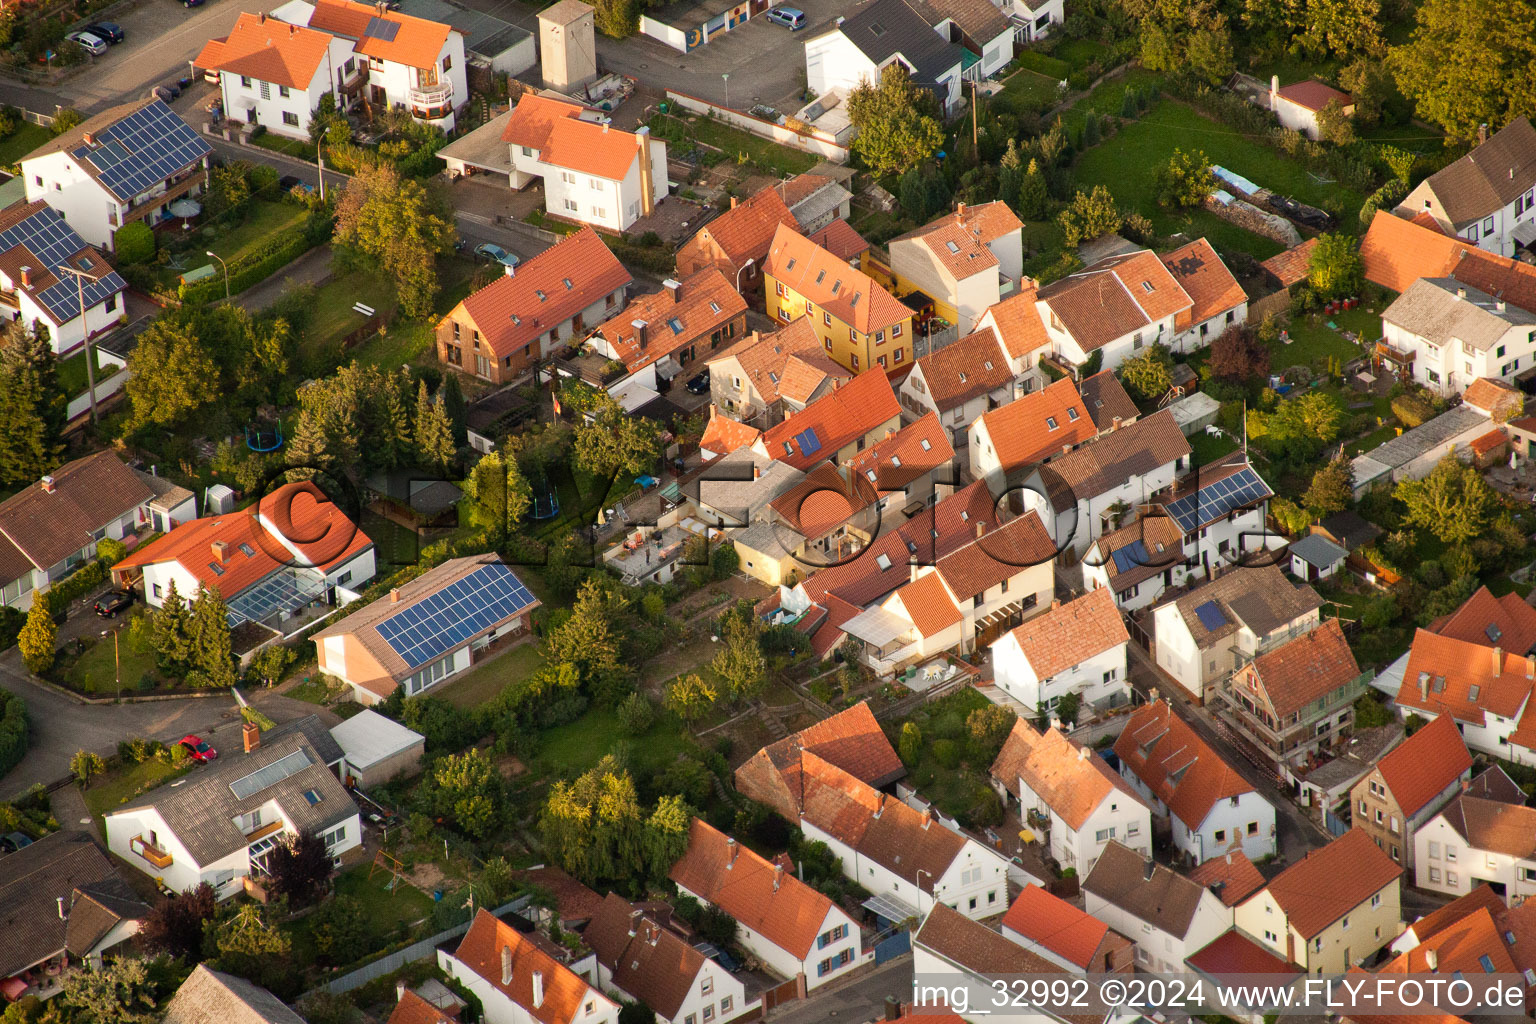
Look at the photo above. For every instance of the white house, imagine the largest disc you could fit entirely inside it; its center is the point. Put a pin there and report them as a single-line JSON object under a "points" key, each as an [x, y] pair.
{"points": [[1066, 936], [1095, 488], [518, 980], [958, 383], [1004, 443], [273, 73], [966, 261], [1021, 332], [1032, 21], [1484, 687], [792, 928], [1220, 509], [472, 601], [1078, 648], [1457, 334], [1117, 306], [1201, 635], [658, 968], [292, 549], [592, 172], [1089, 807], [878, 34], [1485, 834], [123, 165], [1488, 195], [1298, 104], [1138, 562], [980, 27], [1213, 809], [1219, 302], [1168, 916], [218, 824], [46, 269]]}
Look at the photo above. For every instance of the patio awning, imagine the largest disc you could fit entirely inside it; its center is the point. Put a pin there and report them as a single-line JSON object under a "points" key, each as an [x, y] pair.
{"points": [[1525, 233], [890, 908], [877, 626], [667, 368]]}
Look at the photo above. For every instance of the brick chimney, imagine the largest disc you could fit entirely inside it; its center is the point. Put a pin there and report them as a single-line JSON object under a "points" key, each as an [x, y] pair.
{"points": [[1498, 659], [642, 334], [26, 277], [981, 528], [220, 551], [48, 485], [250, 734], [675, 287], [394, 595], [778, 875], [733, 202]]}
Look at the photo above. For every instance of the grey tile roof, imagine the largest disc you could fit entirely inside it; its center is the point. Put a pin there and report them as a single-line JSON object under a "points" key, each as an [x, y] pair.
{"points": [[1117, 456], [1317, 550], [66, 865], [1425, 437], [200, 808], [167, 494], [1490, 177], [314, 730], [1259, 597], [729, 487], [883, 29], [1160, 897], [1439, 309], [210, 997]]}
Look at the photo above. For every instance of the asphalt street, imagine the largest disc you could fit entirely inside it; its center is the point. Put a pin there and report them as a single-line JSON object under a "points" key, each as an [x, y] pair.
{"points": [[860, 999]]}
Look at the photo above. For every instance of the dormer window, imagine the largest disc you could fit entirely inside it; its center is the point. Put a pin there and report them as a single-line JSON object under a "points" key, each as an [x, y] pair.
{"points": [[1050, 422], [1072, 414]]}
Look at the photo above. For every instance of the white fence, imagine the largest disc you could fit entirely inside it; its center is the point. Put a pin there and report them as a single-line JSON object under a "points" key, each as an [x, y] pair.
{"points": [[816, 142]]}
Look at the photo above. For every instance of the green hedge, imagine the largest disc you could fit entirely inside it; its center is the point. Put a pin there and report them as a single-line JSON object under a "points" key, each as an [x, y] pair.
{"points": [[1057, 69], [658, 261], [13, 730], [252, 268], [79, 583]]}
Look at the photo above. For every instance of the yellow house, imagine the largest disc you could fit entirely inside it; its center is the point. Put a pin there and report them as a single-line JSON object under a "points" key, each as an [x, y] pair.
{"points": [[1330, 910], [860, 324]]}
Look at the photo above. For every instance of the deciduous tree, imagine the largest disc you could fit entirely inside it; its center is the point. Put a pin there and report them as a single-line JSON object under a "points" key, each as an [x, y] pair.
{"points": [[1185, 181], [1089, 215], [175, 925], [468, 790], [614, 442], [1334, 270], [1238, 355], [897, 122], [740, 661], [172, 373], [1491, 82], [1331, 489], [690, 697], [401, 226], [119, 990], [1149, 374], [1452, 502], [86, 765], [38, 639], [299, 868]]}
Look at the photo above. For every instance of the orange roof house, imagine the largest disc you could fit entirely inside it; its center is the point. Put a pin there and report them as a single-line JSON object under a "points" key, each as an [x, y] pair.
{"points": [[1232, 876], [1409, 784], [1062, 933], [902, 464], [841, 240], [723, 435], [1292, 266], [1019, 327], [1397, 252], [764, 377], [686, 320], [1035, 428], [1279, 699], [508, 969], [834, 427], [1109, 304], [268, 50], [960, 260], [561, 134], [1506, 622], [516, 320], [1172, 767], [960, 373], [851, 740], [739, 236], [414, 42], [1219, 301]]}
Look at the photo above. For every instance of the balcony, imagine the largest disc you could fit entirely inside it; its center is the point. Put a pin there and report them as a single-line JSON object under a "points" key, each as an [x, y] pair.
{"points": [[1402, 357], [179, 187], [10, 299], [431, 102], [156, 856], [271, 828]]}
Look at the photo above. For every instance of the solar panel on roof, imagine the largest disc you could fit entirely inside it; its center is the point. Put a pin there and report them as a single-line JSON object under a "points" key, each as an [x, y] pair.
{"points": [[1130, 556], [283, 768], [381, 28], [148, 146], [447, 619], [49, 238], [1211, 616], [809, 443], [1215, 500]]}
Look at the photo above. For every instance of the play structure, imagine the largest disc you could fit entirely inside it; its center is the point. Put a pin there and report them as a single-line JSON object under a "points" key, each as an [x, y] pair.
{"points": [[546, 503]]}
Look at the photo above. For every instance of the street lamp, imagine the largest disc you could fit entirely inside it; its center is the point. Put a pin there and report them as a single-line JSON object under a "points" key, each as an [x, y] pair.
{"points": [[226, 272], [933, 897], [750, 260], [726, 75], [90, 367]]}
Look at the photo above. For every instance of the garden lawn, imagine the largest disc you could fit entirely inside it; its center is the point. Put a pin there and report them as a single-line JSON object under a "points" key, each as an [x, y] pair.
{"points": [[292, 147], [733, 142], [388, 913], [1313, 340], [263, 219], [1030, 86], [23, 140], [1208, 447], [333, 317], [118, 787], [489, 678], [312, 690], [96, 671], [1149, 142], [569, 750], [72, 376], [397, 545]]}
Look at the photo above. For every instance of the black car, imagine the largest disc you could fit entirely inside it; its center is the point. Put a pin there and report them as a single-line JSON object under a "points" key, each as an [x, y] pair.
{"points": [[699, 384], [110, 31], [192, 3], [13, 841], [113, 602], [289, 182]]}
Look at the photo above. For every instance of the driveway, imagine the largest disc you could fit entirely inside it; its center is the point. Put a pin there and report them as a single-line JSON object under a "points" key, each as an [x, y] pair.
{"points": [[860, 998]]}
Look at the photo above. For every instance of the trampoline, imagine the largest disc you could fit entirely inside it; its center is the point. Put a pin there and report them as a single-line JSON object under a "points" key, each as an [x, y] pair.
{"points": [[546, 503], [264, 437]]}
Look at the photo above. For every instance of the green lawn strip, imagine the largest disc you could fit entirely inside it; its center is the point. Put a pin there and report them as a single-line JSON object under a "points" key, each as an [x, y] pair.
{"points": [[292, 147], [122, 785], [312, 691], [1032, 86], [23, 140], [763, 152], [1312, 339], [72, 376], [486, 680], [263, 218], [568, 750], [97, 669], [1208, 447]]}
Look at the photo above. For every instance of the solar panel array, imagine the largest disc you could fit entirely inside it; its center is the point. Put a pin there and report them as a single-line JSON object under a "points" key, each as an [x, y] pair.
{"points": [[284, 767], [147, 146], [809, 443], [1211, 616], [436, 625], [50, 239], [1130, 556], [382, 28], [1215, 500]]}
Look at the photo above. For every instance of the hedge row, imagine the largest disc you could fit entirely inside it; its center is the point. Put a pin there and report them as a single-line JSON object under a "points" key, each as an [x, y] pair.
{"points": [[1053, 66], [13, 730], [79, 583], [657, 261], [253, 268]]}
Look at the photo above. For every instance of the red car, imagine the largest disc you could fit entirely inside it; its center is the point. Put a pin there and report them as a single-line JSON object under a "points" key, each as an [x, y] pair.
{"points": [[199, 749]]}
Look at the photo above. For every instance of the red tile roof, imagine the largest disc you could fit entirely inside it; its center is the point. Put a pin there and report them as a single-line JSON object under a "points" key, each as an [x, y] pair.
{"points": [[771, 902], [972, 366], [1233, 872], [1114, 297], [894, 462], [1069, 634], [1057, 925], [746, 230], [1315, 95], [1071, 779], [412, 1009], [1462, 679], [1293, 265], [838, 419], [267, 50], [827, 498], [848, 294], [1489, 621], [1017, 322], [1458, 949], [790, 355], [674, 318], [929, 605], [1171, 759], [1306, 669], [997, 555], [841, 240], [573, 901], [45, 527], [556, 129], [1205, 279], [1425, 763], [1020, 431], [564, 990], [1489, 395], [1232, 953], [415, 42], [851, 739], [1436, 921], [959, 241], [1397, 252], [647, 962], [546, 291], [723, 435], [1327, 884], [299, 512]]}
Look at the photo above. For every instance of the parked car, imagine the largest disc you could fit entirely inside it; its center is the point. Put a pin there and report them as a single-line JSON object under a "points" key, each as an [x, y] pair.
{"points": [[699, 383], [174, 88], [192, 3], [113, 602], [496, 253], [718, 955], [13, 841], [108, 30], [93, 44], [791, 18], [199, 749]]}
